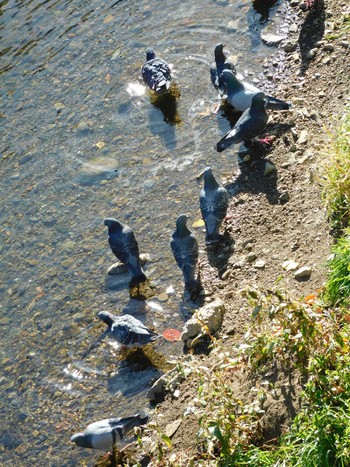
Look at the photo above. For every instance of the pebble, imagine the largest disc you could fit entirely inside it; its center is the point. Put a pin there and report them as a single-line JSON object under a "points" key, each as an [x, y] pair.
{"points": [[226, 274], [289, 265], [269, 168], [284, 197], [272, 39], [312, 53], [326, 61], [303, 137], [260, 264], [329, 47], [303, 272], [84, 127], [251, 257]]}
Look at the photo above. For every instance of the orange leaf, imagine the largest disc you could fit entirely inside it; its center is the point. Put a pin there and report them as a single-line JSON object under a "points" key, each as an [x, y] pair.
{"points": [[310, 298], [171, 335]]}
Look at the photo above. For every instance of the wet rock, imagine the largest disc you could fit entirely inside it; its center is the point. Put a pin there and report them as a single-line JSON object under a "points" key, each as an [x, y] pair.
{"points": [[85, 127], [120, 268], [303, 272], [272, 39], [206, 320]]}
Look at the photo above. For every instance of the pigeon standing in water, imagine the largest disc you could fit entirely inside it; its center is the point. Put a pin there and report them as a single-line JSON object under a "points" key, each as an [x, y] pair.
{"points": [[124, 245], [184, 246], [156, 72], [250, 124], [240, 94], [221, 63], [213, 203], [104, 434], [127, 330]]}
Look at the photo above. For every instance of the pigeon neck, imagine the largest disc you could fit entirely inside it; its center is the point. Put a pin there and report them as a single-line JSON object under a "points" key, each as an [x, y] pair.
{"points": [[233, 84], [182, 230], [210, 181], [219, 56], [258, 106]]}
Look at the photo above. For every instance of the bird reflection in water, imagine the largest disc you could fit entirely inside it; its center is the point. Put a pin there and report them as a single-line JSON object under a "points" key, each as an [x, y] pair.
{"points": [[167, 104]]}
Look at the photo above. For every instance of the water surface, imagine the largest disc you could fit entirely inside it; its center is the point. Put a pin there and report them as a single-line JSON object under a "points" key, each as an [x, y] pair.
{"points": [[81, 141]]}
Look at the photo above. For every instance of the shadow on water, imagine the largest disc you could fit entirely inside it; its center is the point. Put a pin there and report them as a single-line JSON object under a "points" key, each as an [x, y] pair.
{"points": [[167, 104], [312, 31], [258, 17], [135, 373]]}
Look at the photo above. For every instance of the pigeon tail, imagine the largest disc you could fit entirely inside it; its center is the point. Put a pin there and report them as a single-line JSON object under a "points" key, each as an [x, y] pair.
{"points": [[225, 142], [131, 422], [189, 272], [276, 104]]}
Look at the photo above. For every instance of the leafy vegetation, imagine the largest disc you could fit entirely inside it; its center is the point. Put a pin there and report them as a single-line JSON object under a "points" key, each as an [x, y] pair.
{"points": [[336, 183]]}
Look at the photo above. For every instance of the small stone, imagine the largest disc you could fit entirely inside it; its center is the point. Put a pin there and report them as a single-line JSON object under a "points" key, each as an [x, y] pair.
{"points": [[293, 148], [163, 297], [326, 61], [225, 274], [248, 246], [59, 106], [284, 197], [84, 127], [269, 168], [251, 257], [345, 44], [272, 39], [303, 272], [303, 137], [312, 53], [260, 264], [289, 265], [247, 158], [321, 94], [328, 47], [289, 47]]}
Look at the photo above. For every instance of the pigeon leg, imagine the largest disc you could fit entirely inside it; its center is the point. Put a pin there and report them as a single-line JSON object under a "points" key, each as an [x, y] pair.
{"points": [[267, 140]]}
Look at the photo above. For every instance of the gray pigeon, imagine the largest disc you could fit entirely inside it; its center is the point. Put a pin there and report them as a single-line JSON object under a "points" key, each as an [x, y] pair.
{"points": [[124, 245], [104, 434], [214, 203], [240, 94], [184, 246], [127, 330], [156, 72], [221, 63], [250, 124]]}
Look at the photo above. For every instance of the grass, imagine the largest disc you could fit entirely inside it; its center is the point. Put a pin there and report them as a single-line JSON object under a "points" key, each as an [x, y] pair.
{"points": [[336, 182]]}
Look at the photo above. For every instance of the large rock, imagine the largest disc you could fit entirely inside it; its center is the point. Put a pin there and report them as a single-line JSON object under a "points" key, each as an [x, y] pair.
{"points": [[206, 320]]}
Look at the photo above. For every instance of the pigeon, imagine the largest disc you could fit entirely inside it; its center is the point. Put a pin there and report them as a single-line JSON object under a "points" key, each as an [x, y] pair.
{"points": [[184, 246], [127, 330], [221, 63], [240, 94], [213, 202], [124, 245], [104, 434], [250, 124], [156, 72]]}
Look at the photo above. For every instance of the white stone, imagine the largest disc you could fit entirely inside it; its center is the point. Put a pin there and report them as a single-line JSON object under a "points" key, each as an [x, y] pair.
{"points": [[303, 272], [289, 265], [206, 320]]}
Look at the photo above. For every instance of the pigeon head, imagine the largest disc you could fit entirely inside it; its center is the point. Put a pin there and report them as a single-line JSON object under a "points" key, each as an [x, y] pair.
{"points": [[219, 52], [106, 317], [150, 54], [81, 440], [209, 179], [258, 101], [113, 224], [231, 80], [181, 226]]}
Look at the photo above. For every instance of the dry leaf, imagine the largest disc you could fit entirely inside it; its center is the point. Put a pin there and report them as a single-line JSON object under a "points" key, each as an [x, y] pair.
{"points": [[100, 144], [198, 223]]}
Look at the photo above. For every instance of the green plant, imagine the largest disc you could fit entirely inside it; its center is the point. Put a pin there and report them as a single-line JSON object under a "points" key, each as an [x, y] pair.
{"points": [[337, 289], [336, 182]]}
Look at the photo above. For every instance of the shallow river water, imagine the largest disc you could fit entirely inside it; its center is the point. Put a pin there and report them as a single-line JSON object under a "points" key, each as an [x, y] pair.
{"points": [[81, 141]]}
